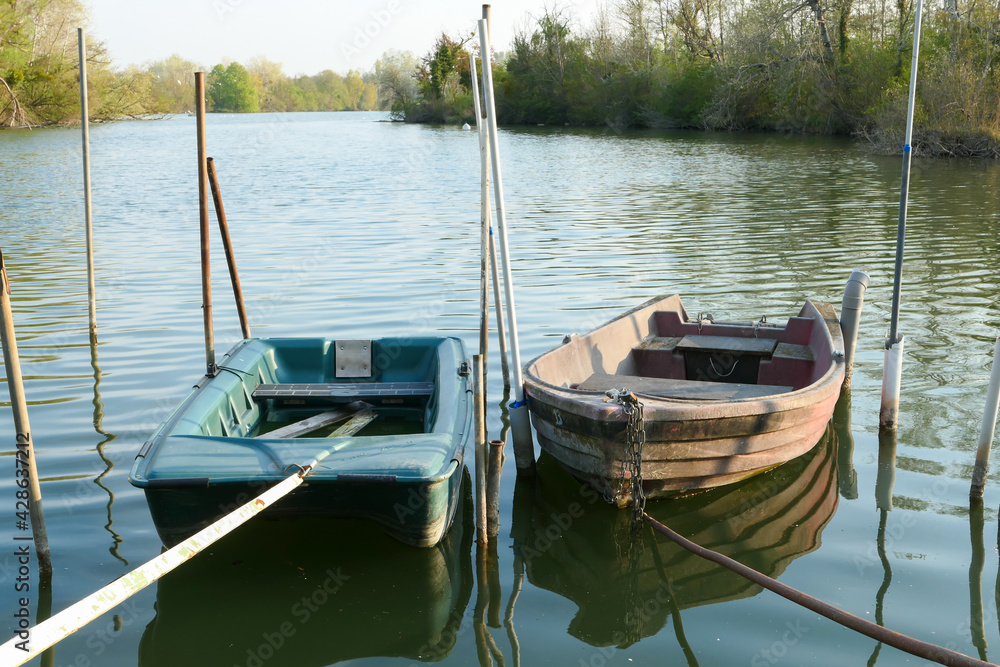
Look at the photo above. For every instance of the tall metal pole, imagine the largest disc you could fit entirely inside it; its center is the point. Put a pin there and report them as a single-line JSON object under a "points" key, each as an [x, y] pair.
{"points": [[893, 369], [524, 454], [227, 244], [206, 271], [25, 455], [85, 127]]}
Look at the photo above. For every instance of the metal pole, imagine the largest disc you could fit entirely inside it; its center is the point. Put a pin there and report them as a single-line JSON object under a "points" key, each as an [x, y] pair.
{"points": [[206, 271], [893, 368], [524, 455], [227, 243], [480, 444], [987, 428], [85, 127], [25, 456]]}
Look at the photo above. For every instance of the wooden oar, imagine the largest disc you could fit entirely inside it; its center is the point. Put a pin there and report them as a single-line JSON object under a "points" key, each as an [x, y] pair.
{"points": [[71, 619]]}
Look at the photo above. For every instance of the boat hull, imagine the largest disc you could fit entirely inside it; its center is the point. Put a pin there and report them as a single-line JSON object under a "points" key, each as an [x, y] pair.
{"points": [[216, 451], [690, 443]]}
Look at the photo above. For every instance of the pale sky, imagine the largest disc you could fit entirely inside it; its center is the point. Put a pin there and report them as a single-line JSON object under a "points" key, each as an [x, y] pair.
{"points": [[305, 36]]}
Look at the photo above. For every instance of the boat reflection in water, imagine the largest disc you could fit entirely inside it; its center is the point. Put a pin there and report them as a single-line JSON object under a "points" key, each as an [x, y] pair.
{"points": [[574, 544], [314, 592]]}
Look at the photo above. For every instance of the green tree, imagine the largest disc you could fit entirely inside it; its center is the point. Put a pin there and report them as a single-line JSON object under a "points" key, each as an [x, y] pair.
{"points": [[171, 83], [232, 89]]}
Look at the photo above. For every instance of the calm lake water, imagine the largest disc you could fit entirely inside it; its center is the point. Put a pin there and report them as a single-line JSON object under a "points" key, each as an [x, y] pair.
{"points": [[353, 228]]}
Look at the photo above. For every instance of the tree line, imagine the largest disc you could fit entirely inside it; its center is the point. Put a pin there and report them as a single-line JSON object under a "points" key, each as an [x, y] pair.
{"points": [[807, 66], [39, 76]]}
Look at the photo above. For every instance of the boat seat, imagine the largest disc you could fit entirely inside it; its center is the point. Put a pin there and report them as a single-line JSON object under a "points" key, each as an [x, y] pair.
{"points": [[340, 392], [763, 347], [684, 389]]}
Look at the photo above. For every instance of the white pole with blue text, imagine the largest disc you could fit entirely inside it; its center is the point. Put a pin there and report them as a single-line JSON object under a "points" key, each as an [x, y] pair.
{"points": [[520, 425], [892, 371]]}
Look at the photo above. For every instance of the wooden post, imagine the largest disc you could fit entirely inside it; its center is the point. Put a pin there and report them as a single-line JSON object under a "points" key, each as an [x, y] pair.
{"points": [[479, 426], [485, 217], [25, 456], [495, 470], [987, 428], [206, 271], [88, 215], [227, 243]]}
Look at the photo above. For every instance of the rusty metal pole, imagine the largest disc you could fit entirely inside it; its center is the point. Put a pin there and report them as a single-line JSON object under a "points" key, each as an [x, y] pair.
{"points": [[206, 271], [227, 243], [25, 455]]}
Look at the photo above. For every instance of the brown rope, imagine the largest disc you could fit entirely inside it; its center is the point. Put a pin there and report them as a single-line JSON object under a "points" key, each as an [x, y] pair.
{"points": [[913, 646]]}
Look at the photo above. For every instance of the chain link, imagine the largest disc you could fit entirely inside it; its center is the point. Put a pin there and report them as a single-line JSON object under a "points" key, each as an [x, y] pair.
{"points": [[630, 478]]}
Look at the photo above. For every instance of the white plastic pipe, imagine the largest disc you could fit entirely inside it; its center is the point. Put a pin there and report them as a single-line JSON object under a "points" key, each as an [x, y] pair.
{"points": [[520, 425], [987, 429], [892, 375], [850, 318]]}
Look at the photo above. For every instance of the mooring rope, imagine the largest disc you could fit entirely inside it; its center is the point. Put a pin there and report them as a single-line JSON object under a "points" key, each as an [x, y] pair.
{"points": [[910, 645]]}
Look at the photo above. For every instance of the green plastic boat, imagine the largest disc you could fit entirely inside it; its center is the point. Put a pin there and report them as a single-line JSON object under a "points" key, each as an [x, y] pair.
{"points": [[394, 413]]}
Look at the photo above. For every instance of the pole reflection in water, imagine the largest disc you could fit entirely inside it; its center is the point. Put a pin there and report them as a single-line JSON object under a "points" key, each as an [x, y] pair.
{"points": [[976, 526], [846, 474], [109, 465], [574, 544], [314, 592], [884, 481]]}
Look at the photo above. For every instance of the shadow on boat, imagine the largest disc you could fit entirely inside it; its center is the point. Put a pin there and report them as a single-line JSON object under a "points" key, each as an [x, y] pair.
{"points": [[314, 592], [574, 544]]}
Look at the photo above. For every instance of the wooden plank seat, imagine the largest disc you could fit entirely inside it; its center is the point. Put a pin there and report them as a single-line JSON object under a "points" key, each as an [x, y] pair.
{"points": [[684, 389], [763, 347], [343, 391]]}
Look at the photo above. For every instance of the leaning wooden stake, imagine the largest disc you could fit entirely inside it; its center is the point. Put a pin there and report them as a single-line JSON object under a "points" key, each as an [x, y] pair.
{"points": [[71, 619], [25, 456], [88, 216], [227, 243], [206, 270], [479, 428], [987, 428]]}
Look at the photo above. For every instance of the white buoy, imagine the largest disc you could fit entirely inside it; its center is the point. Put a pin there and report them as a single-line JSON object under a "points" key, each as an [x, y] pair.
{"points": [[466, 126]]}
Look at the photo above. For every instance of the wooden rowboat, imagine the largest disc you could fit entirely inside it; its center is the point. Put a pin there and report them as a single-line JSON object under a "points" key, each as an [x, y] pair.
{"points": [[393, 415], [722, 400]]}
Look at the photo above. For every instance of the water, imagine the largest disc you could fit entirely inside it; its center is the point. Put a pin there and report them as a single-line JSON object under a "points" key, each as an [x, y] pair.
{"points": [[350, 227]]}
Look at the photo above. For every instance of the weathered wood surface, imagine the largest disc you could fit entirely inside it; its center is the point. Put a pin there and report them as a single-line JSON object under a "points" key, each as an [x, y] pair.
{"points": [[685, 389], [315, 422], [728, 344]]}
